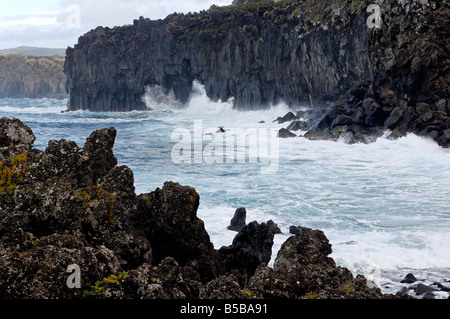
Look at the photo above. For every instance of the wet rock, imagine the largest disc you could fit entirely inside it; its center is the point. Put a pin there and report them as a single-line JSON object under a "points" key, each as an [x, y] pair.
{"points": [[444, 140], [295, 229], [409, 279], [429, 295], [441, 106], [297, 126], [251, 248], [284, 133], [288, 117], [394, 118], [238, 220], [341, 120]]}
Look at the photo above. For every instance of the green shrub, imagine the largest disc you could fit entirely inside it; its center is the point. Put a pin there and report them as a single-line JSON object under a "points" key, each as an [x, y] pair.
{"points": [[12, 174]]}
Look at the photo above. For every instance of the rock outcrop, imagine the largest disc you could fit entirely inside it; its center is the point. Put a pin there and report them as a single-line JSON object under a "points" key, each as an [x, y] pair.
{"points": [[32, 76], [393, 75], [69, 208]]}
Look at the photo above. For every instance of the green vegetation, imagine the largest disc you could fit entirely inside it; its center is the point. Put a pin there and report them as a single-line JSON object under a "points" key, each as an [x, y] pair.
{"points": [[347, 287], [94, 192], [100, 285], [13, 174]]}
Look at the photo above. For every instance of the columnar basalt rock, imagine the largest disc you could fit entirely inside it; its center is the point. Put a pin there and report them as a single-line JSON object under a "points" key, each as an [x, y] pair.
{"points": [[258, 53]]}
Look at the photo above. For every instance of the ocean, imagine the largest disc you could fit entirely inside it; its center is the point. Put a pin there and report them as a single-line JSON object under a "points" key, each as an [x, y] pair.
{"points": [[383, 206]]}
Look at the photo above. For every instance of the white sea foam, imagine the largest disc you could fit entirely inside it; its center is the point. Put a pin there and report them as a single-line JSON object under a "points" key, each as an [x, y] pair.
{"points": [[389, 199]]}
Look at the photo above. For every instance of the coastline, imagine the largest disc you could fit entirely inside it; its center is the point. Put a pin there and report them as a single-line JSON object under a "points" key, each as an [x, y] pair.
{"points": [[94, 183]]}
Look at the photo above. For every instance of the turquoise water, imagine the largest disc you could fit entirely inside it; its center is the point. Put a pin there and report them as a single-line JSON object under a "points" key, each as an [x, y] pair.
{"points": [[383, 206]]}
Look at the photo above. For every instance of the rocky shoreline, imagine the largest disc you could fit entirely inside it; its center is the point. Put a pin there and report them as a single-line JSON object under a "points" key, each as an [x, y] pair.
{"points": [[70, 206]]}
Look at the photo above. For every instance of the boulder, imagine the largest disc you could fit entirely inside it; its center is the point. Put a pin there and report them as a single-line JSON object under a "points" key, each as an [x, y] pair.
{"points": [[422, 108], [284, 133], [169, 220]]}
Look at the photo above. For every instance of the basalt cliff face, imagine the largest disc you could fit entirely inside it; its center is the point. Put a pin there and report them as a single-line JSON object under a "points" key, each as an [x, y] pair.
{"points": [[263, 52], [72, 207], [32, 76], [257, 53]]}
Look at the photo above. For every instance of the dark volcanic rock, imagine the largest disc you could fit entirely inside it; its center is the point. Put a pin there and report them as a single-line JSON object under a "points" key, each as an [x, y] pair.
{"points": [[251, 248], [72, 206], [297, 126], [289, 117], [409, 279], [303, 269], [260, 54], [421, 289], [295, 229], [169, 220], [32, 76], [238, 220]]}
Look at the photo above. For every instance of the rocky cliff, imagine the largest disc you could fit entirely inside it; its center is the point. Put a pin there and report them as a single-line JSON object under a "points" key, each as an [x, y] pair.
{"points": [[72, 207], [258, 53], [32, 76]]}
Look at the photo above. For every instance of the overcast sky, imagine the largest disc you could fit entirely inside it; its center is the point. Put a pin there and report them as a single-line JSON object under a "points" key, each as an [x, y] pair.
{"points": [[59, 23]]}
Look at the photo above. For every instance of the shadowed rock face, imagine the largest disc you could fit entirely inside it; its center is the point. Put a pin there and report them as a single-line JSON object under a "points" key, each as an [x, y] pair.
{"points": [[69, 205], [257, 53]]}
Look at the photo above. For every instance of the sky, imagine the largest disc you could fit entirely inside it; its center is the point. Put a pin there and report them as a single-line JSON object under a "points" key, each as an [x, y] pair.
{"points": [[59, 23]]}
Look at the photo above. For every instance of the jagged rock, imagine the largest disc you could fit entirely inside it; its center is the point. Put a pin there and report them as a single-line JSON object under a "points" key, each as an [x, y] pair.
{"points": [[224, 287], [259, 57], [238, 220], [251, 248], [15, 138], [286, 118], [422, 108], [444, 140]]}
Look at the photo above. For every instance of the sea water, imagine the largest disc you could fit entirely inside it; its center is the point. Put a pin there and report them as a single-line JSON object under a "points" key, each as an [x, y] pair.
{"points": [[383, 206]]}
